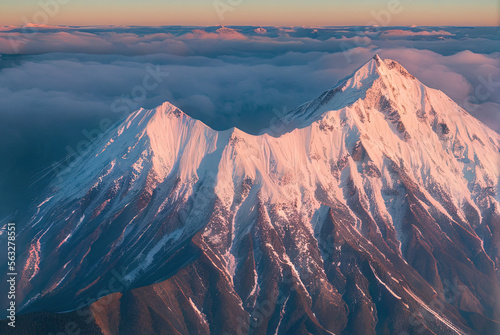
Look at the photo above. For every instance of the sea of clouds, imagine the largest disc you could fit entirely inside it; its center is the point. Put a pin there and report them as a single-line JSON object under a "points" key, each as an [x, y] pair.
{"points": [[57, 84]]}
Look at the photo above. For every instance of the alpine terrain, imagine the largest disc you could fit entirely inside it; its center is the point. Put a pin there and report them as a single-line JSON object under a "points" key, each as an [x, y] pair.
{"points": [[373, 209]]}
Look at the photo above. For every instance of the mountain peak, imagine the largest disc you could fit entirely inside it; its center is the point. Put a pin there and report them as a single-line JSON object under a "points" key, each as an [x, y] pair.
{"points": [[346, 92], [377, 60], [366, 74], [168, 107], [377, 66]]}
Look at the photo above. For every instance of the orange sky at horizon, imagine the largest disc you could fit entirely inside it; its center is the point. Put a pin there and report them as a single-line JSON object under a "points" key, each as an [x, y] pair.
{"points": [[246, 12]]}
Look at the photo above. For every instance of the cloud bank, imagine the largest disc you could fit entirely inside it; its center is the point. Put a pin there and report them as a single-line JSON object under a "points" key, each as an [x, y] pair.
{"points": [[56, 83]]}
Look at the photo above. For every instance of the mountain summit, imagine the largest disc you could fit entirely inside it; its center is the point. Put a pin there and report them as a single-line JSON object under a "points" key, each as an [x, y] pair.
{"points": [[371, 209]]}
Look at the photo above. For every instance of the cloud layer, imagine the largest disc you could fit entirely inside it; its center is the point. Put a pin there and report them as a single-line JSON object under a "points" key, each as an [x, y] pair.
{"points": [[56, 83]]}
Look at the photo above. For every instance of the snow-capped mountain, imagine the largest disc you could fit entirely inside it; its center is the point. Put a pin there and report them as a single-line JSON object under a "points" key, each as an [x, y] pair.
{"points": [[371, 209]]}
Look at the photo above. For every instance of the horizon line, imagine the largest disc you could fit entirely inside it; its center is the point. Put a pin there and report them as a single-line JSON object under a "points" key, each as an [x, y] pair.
{"points": [[247, 25]]}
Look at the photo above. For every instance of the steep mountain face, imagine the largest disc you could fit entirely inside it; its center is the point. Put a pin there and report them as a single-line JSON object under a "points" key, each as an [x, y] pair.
{"points": [[372, 209]]}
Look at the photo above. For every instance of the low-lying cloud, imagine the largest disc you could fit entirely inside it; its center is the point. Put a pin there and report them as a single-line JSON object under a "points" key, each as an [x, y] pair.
{"points": [[56, 82]]}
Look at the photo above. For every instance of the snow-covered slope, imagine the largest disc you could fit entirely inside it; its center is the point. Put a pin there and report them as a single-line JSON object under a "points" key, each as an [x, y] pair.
{"points": [[366, 203]]}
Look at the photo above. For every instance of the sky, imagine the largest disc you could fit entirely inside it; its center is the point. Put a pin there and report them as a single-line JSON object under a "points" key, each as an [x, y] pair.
{"points": [[252, 12]]}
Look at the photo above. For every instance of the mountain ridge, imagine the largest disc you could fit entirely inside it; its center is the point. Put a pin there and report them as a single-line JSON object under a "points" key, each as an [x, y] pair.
{"points": [[368, 184]]}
